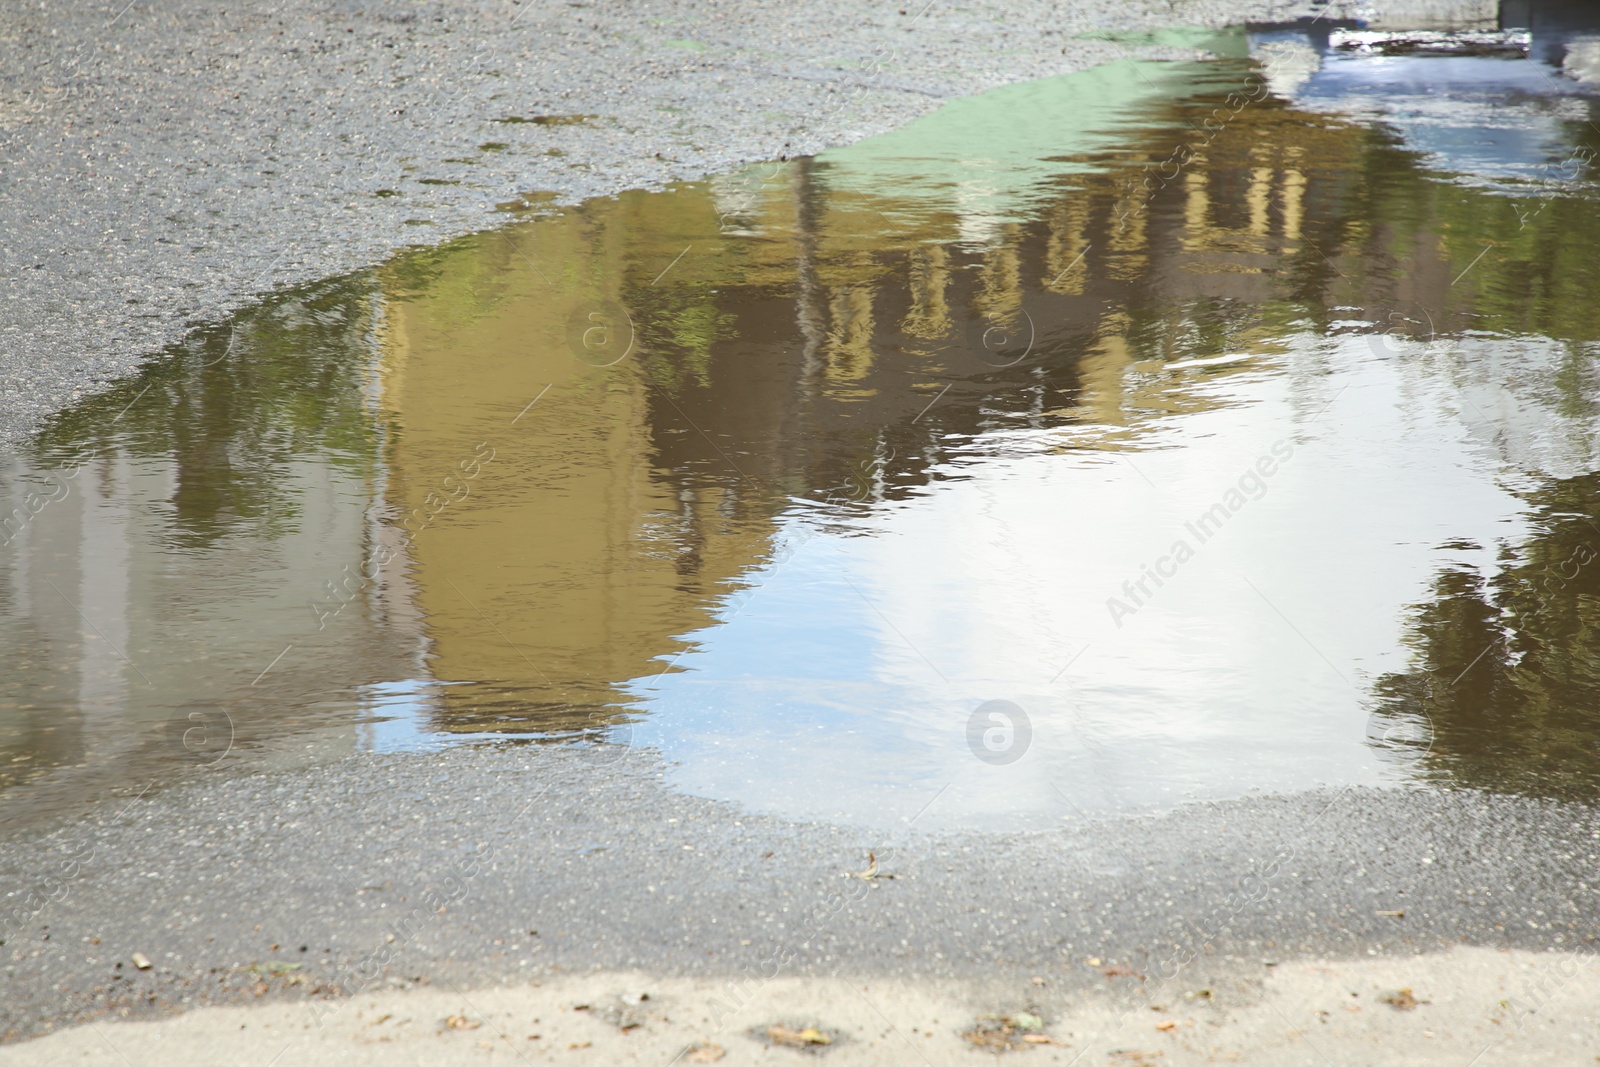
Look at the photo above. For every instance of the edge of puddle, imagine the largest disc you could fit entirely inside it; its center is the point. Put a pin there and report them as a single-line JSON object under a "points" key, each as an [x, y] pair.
{"points": [[617, 872]]}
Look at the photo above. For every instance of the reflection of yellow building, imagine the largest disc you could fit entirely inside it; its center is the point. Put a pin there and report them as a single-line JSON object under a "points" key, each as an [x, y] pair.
{"points": [[591, 543], [1067, 245], [848, 344], [565, 568], [928, 276], [999, 298]]}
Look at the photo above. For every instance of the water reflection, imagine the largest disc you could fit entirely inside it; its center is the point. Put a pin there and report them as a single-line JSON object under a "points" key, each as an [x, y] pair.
{"points": [[1504, 683], [159, 537], [794, 471]]}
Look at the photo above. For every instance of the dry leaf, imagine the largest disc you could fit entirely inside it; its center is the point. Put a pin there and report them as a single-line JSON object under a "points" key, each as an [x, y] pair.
{"points": [[461, 1022], [871, 875], [1401, 1000], [1391, 913], [1131, 1055], [141, 961], [1167, 1025], [1005, 1032], [779, 1034], [704, 1053]]}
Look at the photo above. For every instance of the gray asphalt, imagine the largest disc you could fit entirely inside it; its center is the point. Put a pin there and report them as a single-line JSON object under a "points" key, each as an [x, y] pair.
{"points": [[476, 866], [163, 164]]}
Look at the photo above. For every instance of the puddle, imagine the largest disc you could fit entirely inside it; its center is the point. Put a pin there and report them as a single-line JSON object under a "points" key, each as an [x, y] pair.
{"points": [[1095, 445]]}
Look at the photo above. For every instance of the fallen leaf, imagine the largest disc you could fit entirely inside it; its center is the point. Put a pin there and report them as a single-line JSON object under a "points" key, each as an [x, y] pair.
{"points": [[461, 1022], [1120, 970], [274, 968], [1391, 913], [871, 875], [1004, 1032], [779, 1034], [582, 1044], [1167, 1025], [704, 1053], [1131, 1055], [141, 961], [1401, 1000]]}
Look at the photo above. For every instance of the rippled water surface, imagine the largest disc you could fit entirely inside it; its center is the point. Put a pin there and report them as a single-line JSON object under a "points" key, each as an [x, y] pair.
{"points": [[1091, 446]]}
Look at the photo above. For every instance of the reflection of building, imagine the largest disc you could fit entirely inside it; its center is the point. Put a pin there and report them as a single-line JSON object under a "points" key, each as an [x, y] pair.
{"points": [[180, 556], [1487, 118], [785, 341], [591, 422], [565, 566]]}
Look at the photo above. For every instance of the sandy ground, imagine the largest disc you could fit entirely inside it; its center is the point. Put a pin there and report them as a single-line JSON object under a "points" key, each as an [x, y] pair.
{"points": [[1467, 1006]]}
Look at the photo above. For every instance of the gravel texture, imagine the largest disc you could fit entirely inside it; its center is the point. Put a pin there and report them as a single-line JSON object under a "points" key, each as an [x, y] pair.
{"points": [[470, 867], [165, 163]]}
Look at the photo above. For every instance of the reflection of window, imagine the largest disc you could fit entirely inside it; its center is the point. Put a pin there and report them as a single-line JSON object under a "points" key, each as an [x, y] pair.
{"points": [[929, 270], [848, 345], [1000, 299], [1066, 247]]}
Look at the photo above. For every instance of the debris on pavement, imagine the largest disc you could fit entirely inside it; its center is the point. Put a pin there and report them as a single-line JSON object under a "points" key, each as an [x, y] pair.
{"points": [[1003, 1033], [806, 1037]]}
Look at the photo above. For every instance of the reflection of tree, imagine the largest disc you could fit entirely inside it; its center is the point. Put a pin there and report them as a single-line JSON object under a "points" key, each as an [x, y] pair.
{"points": [[677, 326], [1507, 671], [236, 404]]}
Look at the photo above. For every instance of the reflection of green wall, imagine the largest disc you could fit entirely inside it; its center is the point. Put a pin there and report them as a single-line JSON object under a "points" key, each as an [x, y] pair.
{"points": [[993, 156]]}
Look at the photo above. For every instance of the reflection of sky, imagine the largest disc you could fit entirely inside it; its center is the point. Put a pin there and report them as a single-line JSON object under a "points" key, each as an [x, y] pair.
{"points": [[844, 685], [1485, 118]]}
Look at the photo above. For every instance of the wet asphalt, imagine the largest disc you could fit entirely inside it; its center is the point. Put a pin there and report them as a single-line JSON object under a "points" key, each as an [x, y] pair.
{"points": [[161, 165], [470, 867]]}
